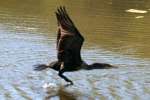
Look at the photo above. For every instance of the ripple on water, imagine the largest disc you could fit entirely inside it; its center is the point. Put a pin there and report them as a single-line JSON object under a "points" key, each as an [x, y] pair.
{"points": [[19, 81]]}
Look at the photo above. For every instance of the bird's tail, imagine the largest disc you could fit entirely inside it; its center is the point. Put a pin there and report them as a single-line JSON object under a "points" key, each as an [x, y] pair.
{"points": [[40, 67], [54, 65], [99, 66]]}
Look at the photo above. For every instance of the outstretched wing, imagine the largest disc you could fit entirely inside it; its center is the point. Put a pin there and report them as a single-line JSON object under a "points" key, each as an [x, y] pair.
{"points": [[69, 39]]}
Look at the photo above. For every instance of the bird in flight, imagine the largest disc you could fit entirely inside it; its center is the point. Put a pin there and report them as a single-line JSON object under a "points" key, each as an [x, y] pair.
{"points": [[68, 44]]}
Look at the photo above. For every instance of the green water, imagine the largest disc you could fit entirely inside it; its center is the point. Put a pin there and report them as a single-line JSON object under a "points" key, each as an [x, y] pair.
{"points": [[115, 31]]}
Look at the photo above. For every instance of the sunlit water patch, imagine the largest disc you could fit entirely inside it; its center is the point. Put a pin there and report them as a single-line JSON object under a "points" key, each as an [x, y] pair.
{"points": [[21, 51], [137, 11]]}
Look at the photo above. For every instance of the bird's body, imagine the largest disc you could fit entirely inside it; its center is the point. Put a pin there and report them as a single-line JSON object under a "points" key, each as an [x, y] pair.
{"points": [[69, 43]]}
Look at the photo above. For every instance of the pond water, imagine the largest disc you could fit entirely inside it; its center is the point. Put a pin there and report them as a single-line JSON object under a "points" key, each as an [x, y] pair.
{"points": [[115, 31]]}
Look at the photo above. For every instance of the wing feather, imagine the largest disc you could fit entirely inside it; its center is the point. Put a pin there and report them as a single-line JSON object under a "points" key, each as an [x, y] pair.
{"points": [[69, 39]]}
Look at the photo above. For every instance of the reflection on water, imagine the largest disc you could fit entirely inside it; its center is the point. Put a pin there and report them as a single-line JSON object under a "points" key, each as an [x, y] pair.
{"points": [[136, 11], [116, 32]]}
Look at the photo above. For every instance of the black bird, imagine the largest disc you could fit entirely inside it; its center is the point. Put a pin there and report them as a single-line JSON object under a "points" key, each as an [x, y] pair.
{"points": [[69, 43]]}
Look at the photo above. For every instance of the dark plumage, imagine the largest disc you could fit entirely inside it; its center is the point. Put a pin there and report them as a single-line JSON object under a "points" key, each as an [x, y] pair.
{"points": [[69, 43]]}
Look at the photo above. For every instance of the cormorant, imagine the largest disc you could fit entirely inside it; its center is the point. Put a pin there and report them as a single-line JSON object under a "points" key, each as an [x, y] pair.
{"points": [[69, 43]]}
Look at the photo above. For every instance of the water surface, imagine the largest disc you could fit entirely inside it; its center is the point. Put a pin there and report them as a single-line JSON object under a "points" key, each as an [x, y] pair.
{"points": [[115, 31]]}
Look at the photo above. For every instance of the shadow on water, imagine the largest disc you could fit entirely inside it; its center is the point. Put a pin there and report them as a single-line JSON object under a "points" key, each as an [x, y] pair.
{"points": [[116, 32], [62, 95]]}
